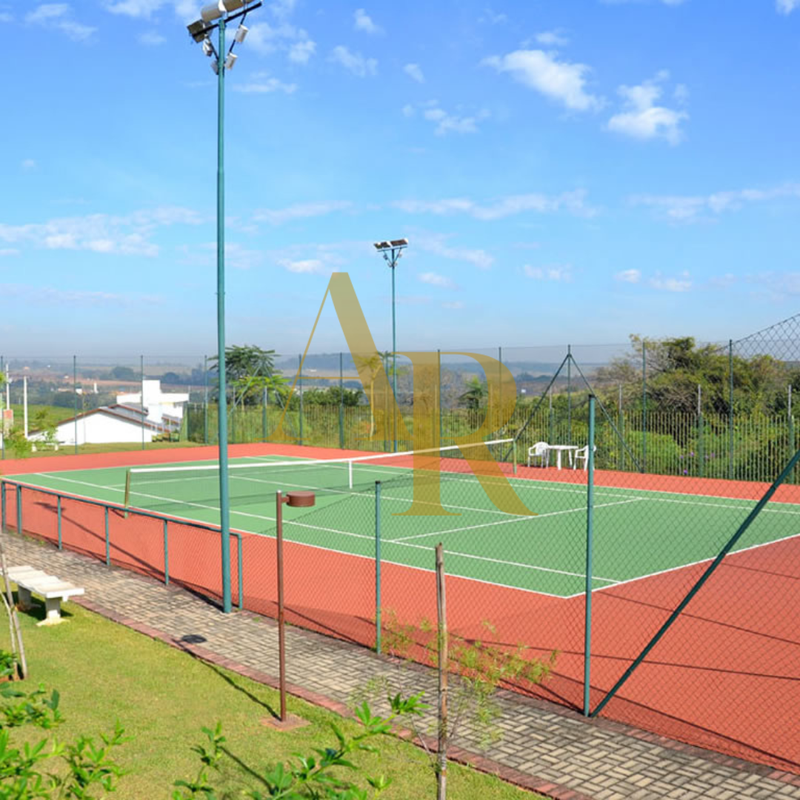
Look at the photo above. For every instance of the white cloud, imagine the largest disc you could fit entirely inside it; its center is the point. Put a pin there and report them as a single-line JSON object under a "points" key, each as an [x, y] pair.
{"points": [[283, 8], [283, 37], [414, 72], [308, 266], [300, 211], [562, 81], [690, 208], [679, 284], [437, 245], [434, 279], [56, 16], [49, 295], [554, 272], [135, 8], [28, 164], [354, 62], [787, 6], [453, 123], [152, 39], [574, 202], [364, 23], [629, 276], [101, 233], [552, 38], [642, 118], [262, 83]]}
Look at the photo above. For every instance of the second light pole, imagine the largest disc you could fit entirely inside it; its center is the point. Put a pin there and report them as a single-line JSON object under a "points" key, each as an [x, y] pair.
{"points": [[392, 251]]}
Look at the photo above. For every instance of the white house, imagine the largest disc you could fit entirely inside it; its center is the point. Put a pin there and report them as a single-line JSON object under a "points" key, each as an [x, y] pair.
{"points": [[158, 404], [106, 425]]}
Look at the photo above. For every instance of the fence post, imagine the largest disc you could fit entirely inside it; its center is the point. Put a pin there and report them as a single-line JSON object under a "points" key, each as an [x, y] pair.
{"points": [[240, 565], [730, 409], [621, 426], [264, 415], [166, 553], [791, 426], [19, 510], [58, 514], [300, 389], [3, 506], [378, 624], [701, 450], [108, 539], [141, 372], [587, 650], [75, 397], [205, 399], [644, 406], [569, 393], [341, 401], [439, 392]]}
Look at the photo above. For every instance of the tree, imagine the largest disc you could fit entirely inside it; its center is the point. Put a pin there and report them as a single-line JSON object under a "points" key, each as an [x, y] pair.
{"points": [[373, 364], [476, 395], [124, 374], [247, 369]]}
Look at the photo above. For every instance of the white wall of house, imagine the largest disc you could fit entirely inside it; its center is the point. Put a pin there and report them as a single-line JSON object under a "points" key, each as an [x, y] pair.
{"points": [[100, 428], [156, 402]]}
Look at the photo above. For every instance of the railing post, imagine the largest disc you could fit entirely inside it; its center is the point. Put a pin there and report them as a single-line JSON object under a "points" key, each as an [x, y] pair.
{"points": [[730, 409], [378, 623], [19, 509], [205, 399], [644, 406], [166, 553], [341, 401], [144, 417], [300, 391], [58, 514], [264, 416], [791, 426], [587, 649], [108, 539], [701, 451], [569, 393], [3, 506], [240, 565]]}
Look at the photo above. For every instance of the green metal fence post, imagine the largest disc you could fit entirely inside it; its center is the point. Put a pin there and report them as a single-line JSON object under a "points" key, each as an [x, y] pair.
{"points": [[644, 406], [205, 399], [791, 425], [58, 514], [144, 416], [701, 450], [2, 421], [621, 426], [300, 391], [550, 417], [341, 401], [378, 624], [75, 397], [19, 509], [108, 538], [2, 506], [587, 640], [166, 553], [730, 409], [439, 392], [569, 393], [240, 563]]}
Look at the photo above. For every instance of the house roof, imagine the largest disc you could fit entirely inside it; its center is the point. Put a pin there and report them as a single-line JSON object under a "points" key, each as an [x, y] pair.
{"points": [[110, 411]]}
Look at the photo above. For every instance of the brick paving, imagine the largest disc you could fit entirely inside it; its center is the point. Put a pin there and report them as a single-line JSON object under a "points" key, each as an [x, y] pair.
{"points": [[544, 747]]}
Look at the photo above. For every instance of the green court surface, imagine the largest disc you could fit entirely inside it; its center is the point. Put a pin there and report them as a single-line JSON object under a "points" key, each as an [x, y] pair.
{"points": [[636, 532]]}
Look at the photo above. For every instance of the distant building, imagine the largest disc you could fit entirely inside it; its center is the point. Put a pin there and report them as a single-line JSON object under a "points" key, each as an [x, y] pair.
{"points": [[160, 406], [107, 425]]}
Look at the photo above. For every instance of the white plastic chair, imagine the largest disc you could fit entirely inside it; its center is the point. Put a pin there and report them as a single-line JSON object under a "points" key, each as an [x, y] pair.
{"points": [[584, 454], [540, 450]]}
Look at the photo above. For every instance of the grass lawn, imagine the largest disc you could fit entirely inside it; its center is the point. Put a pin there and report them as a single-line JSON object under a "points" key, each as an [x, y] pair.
{"points": [[123, 447], [162, 697]]}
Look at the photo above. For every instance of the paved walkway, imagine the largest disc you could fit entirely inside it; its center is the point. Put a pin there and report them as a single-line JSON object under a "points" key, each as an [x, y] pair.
{"points": [[544, 747]]}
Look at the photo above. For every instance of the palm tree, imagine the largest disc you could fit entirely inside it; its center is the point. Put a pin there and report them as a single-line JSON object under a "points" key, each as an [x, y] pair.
{"points": [[475, 396]]}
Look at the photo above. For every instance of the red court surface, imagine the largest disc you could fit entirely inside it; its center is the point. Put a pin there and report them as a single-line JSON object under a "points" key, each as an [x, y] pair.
{"points": [[726, 676]]}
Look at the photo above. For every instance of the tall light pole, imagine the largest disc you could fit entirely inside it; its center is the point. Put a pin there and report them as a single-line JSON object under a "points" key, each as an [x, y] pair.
{"points": [[392, 251], [218, 15]]}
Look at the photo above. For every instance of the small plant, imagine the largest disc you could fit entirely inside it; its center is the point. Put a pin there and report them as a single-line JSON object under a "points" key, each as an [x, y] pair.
{"points": [[8, 664], [314, 777]]}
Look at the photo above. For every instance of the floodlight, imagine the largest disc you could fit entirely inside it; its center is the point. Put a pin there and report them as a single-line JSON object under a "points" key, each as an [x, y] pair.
{"points": [[230, 60], [231, 5], [399, 242], [382, 245], [215, 66], [211, 12], [198, 30], [240, 34], [208, 48]]}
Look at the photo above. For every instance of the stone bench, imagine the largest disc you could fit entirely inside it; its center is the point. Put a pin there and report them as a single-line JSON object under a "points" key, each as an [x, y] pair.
{"points": [[52, 589]]}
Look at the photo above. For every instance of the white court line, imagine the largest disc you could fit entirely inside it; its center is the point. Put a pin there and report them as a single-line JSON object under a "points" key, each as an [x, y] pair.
{"points": [[516, 519], [532, 567]]}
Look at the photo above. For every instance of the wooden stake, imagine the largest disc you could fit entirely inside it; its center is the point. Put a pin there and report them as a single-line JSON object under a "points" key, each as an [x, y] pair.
{"points": [[441, 608]]}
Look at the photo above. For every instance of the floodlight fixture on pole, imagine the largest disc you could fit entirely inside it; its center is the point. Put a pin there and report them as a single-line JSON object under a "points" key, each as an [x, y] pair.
{"points": [[217, 16], [392, 252]]}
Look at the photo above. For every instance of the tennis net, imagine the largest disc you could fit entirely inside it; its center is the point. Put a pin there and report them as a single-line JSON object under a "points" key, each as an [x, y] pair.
{"points": [[169, 488]]}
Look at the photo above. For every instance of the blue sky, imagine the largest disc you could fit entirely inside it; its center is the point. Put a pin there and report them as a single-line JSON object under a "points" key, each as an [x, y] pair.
{"points": [[564, 172]]}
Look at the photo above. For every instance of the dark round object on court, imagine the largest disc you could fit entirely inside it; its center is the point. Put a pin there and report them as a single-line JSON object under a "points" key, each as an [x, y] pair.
{"points": [[300, 499]]}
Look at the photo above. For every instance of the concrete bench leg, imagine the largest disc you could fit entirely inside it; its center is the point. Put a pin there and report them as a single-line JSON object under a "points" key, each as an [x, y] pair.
{"points": [[25, 603], [52, 607]]}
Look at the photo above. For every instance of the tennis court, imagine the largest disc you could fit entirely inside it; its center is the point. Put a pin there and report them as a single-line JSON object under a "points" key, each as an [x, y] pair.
{"points": [[637, 532]]}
